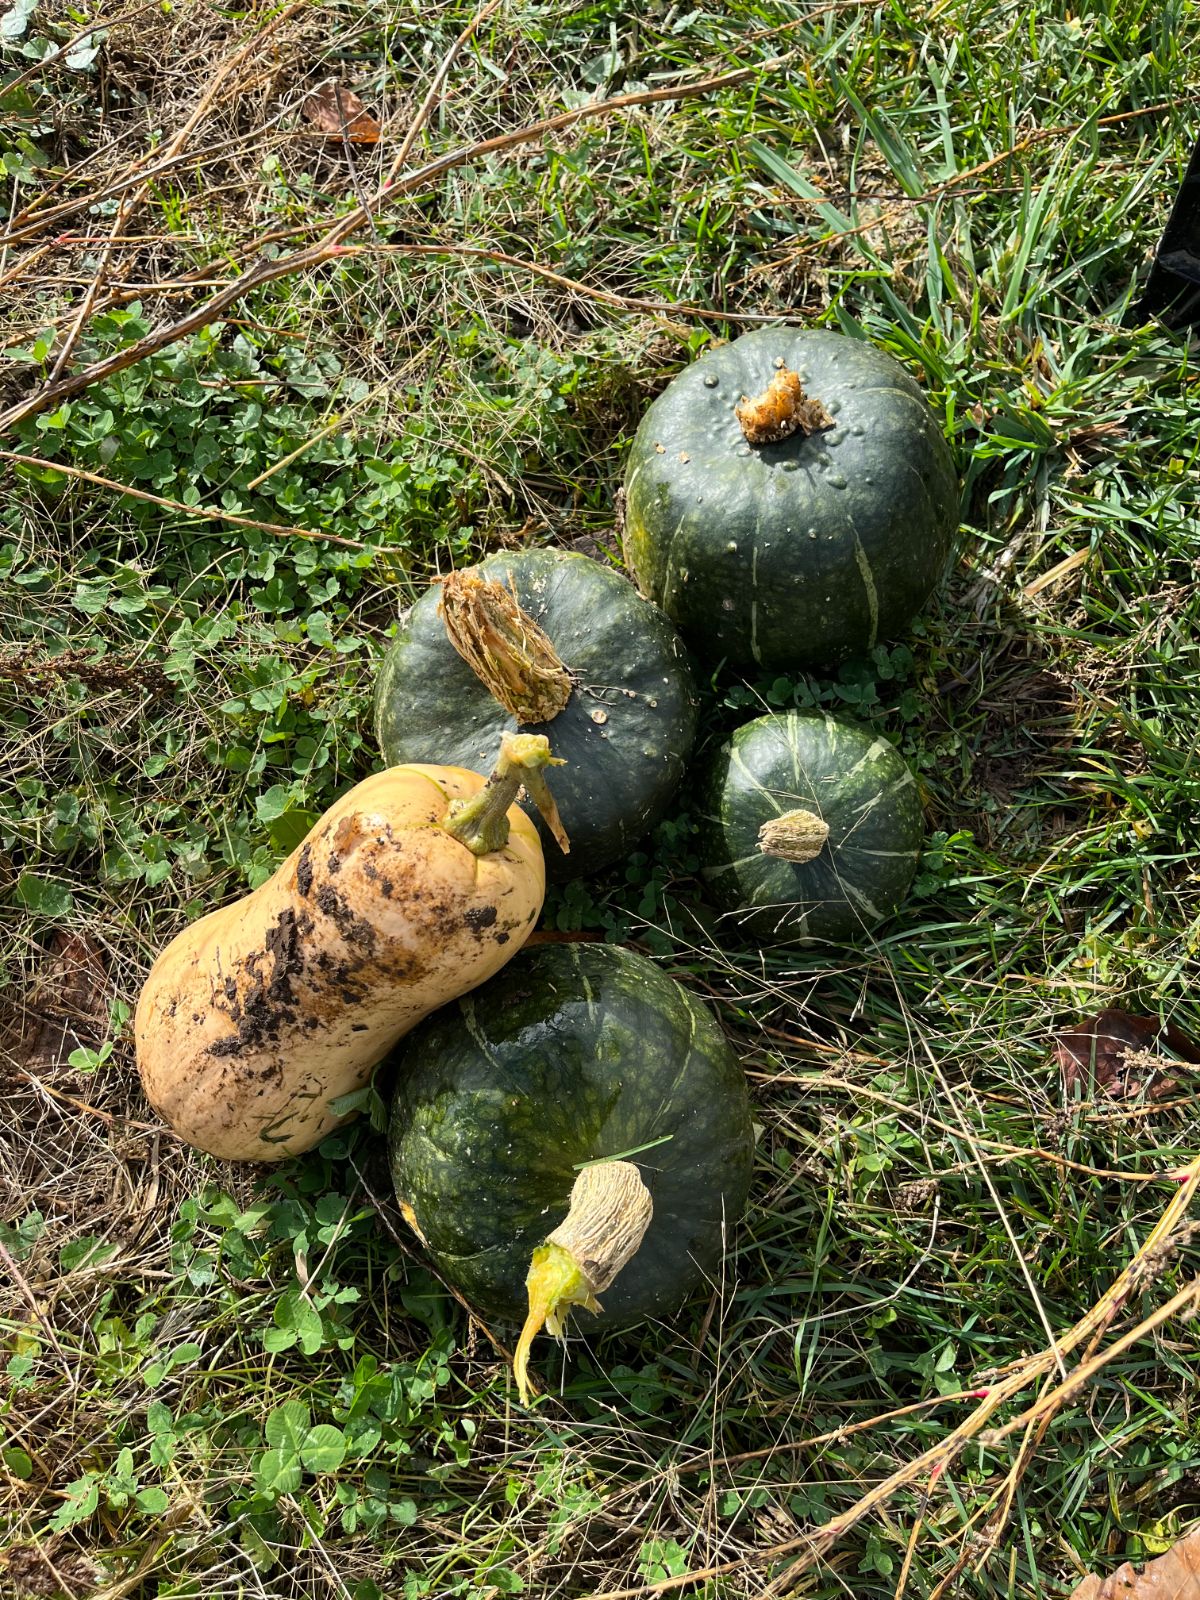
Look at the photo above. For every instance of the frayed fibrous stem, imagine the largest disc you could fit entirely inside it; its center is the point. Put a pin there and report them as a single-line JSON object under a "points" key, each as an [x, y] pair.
{"points": [[780, 410], [504, 647]]}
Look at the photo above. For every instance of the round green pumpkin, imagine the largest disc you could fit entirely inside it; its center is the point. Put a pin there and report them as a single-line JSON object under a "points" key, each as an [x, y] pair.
{"points": [[580, 1053], [804, 553], [625, 733], [848, 778]]}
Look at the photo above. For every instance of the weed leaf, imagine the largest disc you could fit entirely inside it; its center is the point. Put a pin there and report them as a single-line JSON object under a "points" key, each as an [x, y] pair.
{"points": [[324, 1449], [287, 1426], [279, 1472]]}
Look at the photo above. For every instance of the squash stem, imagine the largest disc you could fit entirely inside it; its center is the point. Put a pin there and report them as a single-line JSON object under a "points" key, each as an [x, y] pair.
{"points": [[795, 836], [481, 823], [504, 647], [780, 410], [609, 1213], [554, 1284]]}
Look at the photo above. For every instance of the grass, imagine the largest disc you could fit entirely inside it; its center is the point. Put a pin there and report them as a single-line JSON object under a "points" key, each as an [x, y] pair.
{"points": [[232, 1382]]}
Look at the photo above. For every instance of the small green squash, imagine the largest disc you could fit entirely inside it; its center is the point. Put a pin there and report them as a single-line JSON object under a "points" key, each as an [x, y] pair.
{"points": [[800, 528], [578, 1133], [585, 660], [809, 828]]}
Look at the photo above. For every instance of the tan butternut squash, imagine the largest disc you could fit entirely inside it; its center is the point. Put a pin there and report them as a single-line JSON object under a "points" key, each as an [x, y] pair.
{"points": [[417, 885]]}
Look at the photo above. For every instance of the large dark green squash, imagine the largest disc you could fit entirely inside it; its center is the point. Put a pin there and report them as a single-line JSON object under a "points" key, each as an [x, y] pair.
{"points": [[582, 1053], [802, 553], [797, 775], [625, 733]]}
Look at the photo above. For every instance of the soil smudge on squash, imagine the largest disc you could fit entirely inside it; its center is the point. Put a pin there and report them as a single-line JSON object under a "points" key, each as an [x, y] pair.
{"points": [[354, 929], [480, 917], [268, 1003]]}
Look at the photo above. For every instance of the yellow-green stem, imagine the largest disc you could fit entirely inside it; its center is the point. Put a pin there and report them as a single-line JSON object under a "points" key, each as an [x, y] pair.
{"points": [[555, 1283], [609, 1213]]}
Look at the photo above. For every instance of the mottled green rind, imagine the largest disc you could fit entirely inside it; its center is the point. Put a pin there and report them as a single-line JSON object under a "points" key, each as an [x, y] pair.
{"points": [[577, 1053], [630, 671], [854, 780], [757, 553]]}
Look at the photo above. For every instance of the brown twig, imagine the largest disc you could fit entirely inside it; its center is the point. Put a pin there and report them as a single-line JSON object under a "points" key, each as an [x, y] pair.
{"points": [[205, 513], [1030, 1444], [915, 1534], [1184, 1300]]}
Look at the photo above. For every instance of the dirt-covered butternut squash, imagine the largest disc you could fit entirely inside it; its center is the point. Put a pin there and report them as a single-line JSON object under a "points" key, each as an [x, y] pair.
{"points": [[417, 885]]}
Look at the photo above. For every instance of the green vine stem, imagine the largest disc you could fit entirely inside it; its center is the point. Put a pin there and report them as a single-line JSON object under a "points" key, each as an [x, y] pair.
{"points": [[481, 823]]}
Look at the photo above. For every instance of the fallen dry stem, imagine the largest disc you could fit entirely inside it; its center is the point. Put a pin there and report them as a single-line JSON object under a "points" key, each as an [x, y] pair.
{"points": [[204, 513], [914, 1535], [620, 302], [834, 1436], [667, 312], [859, 1091], [95, 1111], [1183, 1301]]}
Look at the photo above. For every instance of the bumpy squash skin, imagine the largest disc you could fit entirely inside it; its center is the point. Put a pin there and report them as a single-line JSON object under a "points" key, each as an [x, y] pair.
{"points": [[626, 733], [851, 778], [258, 1015], [804, 553], [573, 1054]]}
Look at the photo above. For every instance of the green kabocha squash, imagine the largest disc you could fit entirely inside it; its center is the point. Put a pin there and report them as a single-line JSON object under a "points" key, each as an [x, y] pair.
{"points": [[578, 1134], [559, 645], [790, 500], [809, 828]]}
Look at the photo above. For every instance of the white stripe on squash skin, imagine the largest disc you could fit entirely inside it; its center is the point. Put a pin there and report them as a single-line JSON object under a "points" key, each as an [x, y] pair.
{"points": [[254, 1018]]}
